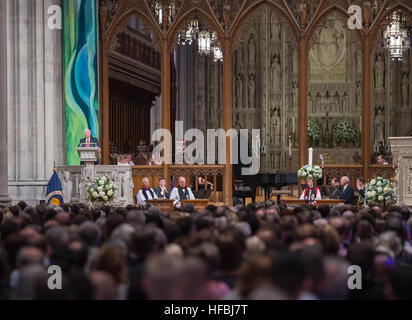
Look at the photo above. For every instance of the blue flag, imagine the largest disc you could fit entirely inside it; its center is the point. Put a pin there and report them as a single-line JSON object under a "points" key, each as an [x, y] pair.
{"points": [[54, 194]]}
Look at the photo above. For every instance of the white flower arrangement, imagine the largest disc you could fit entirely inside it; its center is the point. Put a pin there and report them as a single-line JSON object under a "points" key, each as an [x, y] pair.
{"points": [[314, 172], [344, 131], [101, 189], [314, 131], [379, 189]]}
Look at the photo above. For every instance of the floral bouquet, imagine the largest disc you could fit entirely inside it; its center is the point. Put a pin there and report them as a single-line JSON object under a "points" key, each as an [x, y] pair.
{"points": [[379, 189], [101, 189], [314, 172], [344, 132], [314, 131]]}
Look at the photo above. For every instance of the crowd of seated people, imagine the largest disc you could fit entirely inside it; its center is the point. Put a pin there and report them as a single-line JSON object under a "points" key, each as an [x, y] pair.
{"points": [[262, 251], [125, 160]]}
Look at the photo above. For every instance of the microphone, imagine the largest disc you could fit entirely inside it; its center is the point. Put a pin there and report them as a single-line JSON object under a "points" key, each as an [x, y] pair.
{"points": [[322, 158]]}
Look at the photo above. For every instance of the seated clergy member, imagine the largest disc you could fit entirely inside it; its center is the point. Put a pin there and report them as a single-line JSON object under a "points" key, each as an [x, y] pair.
{"points": [[145, 193], [162, 191], [311, 193], [346, 192], [182, 192]]}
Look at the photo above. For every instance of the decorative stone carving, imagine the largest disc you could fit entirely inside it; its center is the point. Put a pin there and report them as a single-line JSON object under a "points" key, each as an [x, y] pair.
{"points": [[76, 178], [252, 91], [379, 72], [276, 74], [405, 88], [331, 47], [252, 52], [239, 90], [401, 148]]}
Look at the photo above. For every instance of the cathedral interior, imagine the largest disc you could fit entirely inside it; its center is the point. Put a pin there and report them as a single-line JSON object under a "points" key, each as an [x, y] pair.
{"points": [[296, 70]]}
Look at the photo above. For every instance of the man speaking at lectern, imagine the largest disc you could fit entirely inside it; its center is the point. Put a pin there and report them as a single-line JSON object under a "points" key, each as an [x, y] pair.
{"points": [[89, 142]]}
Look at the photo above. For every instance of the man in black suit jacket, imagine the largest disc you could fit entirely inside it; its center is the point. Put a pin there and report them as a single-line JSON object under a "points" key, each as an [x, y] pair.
{"points": [[346, 193], [89, 141], [162, 191]]}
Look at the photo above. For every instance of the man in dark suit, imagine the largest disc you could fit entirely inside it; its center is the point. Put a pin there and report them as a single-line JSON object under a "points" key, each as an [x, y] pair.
{"points": [[89, 142], [360, 186], [162, 191], [334, 188], [346, 193]]}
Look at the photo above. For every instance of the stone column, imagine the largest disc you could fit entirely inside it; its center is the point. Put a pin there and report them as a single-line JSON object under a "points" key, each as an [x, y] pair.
{"points": [[401, 148], [4, 197], [35, 125]]}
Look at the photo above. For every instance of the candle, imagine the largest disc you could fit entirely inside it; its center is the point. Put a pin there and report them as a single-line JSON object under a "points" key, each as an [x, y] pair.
{"points": [[360, 124], [310, 156], [293, 123], [290, 147]]}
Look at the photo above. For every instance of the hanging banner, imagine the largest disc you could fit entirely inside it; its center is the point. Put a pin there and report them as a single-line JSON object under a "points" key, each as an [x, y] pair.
{"points": [[80, 73]]}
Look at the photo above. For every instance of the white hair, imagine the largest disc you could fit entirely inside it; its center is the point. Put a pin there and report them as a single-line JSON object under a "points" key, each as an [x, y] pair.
{"points": [[144, 179], [346, 178], [86, 130]]}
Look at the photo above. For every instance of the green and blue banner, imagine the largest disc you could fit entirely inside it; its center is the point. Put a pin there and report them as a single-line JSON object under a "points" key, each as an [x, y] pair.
{"points": [[80, 72]]}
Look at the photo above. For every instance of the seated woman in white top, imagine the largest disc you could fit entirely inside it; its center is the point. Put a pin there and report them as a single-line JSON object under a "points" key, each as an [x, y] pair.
{"points": [[181, 192], [122, 161], [311, 193], [145, 193]]}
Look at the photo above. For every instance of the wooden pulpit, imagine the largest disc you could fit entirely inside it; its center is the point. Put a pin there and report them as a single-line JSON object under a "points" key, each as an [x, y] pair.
{"points": [[197, 203], [165, 205], [296, 201]]}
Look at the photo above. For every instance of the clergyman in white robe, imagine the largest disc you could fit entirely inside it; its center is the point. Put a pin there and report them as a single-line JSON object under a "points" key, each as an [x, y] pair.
{"points": [[145, 194]]}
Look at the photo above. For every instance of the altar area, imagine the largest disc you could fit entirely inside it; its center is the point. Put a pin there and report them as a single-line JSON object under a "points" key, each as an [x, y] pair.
{"points": [[304, 80]]}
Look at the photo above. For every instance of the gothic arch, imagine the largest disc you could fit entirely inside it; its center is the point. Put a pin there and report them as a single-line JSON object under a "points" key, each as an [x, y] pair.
{"points": [[245, 13], [124, 11], [380, 20], [122, 18], [317, 20], [181, 19]]}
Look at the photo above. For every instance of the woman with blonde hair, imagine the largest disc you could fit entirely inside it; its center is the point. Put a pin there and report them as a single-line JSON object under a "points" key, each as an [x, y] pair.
{"points": [[111, 258]]}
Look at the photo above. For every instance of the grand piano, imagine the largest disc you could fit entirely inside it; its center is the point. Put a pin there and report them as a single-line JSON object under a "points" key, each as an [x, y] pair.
{"points": [[267, 181]]}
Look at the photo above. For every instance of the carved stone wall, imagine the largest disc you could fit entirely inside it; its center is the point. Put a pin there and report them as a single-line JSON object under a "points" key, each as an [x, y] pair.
{"points": [[391, 98], [265, 78], [399, 114], [335, 77], [265, 87], [402, 160]]}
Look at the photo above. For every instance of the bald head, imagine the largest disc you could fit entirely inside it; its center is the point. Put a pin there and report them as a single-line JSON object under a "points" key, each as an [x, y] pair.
{"points": [[182, 182]]}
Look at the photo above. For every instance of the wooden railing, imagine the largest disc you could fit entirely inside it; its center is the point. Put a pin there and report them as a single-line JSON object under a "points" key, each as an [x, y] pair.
{"points": [[214, 174], [211, 173], [387, 170], [354, 171]]}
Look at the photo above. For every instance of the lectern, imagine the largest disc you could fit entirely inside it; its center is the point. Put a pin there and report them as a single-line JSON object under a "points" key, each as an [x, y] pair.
{"points": [[88, 155]]}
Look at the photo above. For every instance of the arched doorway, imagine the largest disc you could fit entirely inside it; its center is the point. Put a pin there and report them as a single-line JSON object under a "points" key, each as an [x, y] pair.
{"points": [[130, 78]]}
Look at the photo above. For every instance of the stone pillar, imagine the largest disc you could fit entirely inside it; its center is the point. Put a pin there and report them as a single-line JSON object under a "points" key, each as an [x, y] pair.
{"points": [[34, 103], [4, 197], [401, 149]]}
